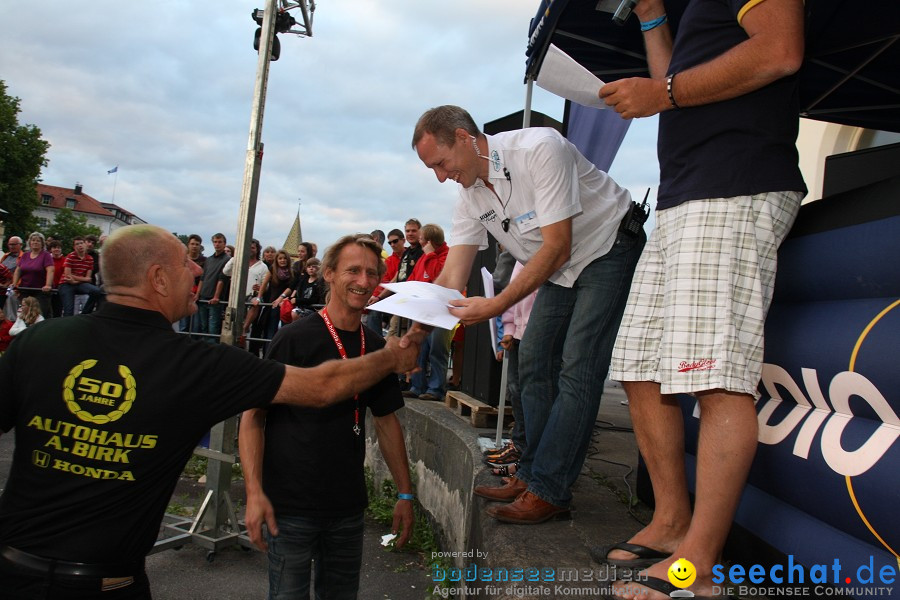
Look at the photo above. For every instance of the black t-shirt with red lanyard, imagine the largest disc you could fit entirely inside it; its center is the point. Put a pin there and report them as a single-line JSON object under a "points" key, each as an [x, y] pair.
{"points": [[313, 459]]}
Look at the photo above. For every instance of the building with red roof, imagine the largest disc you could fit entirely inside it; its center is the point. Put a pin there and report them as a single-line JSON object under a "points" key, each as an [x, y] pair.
{"points": [[107, 216]]}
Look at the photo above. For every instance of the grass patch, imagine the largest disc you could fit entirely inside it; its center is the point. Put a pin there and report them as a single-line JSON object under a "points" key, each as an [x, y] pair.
{"points": [[195, 467], [182, 506], [423, 541]]}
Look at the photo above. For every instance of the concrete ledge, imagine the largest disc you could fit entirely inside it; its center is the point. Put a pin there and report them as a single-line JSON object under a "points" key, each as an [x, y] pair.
{"points": [[446, 459], [444, 456]]}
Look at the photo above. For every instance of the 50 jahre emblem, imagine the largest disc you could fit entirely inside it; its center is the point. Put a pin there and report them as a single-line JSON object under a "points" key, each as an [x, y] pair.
{"points": [[94, 391]]}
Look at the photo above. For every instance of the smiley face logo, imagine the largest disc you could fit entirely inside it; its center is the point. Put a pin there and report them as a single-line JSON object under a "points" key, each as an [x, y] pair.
{"points": [[682, 573]]}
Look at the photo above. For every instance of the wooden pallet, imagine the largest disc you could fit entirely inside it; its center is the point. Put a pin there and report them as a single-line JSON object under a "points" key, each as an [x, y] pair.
{"points": [[476, 411]]}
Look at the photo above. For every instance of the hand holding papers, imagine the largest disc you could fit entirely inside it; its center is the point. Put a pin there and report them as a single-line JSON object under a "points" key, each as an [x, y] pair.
{"points": [[423, 302], [561, 75]]}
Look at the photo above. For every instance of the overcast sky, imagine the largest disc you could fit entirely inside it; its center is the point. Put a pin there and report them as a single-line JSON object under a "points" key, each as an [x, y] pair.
{"points": [[163, 90]]}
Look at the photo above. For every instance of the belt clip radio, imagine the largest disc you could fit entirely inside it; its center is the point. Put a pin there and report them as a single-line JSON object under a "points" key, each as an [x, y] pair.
{"points": [[637, 215]]}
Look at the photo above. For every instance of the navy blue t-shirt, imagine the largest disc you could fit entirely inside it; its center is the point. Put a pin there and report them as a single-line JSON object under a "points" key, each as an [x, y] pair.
{"points": [[736, 147]]}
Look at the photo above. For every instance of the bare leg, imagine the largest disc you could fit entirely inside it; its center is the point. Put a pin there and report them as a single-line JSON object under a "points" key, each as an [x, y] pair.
{"points": [[658, 427], [725, 451], [252, 313]]}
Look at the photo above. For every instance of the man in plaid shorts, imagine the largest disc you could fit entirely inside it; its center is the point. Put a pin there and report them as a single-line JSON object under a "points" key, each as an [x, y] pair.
{"points": [[729, 190]]}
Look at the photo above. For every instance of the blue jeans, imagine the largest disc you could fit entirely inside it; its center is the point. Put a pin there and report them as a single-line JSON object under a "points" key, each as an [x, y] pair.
{"points": [[273, 320], [436, 353], [190, 323], [334, 544], [208, 320], [67, 292], [563, 360]]}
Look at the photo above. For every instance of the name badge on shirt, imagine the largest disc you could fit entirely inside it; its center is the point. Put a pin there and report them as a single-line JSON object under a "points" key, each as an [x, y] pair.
{"points": [[526, 222]]}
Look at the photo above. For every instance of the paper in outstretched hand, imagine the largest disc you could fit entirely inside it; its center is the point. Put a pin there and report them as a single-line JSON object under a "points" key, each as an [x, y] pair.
{"points": [[422, 302]]}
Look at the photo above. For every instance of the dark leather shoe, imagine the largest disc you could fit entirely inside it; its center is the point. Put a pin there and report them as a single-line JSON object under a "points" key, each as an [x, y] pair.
{"points": [[528, 509], [505, 493]]}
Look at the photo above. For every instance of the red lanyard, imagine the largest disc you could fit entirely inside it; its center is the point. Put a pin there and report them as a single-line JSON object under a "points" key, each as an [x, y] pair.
{"points": [[343, 352]]}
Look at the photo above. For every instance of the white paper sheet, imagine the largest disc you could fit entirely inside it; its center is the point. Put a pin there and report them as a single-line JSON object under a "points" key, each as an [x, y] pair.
{"points": [[561, 75], [488, 280], [423, 302]]}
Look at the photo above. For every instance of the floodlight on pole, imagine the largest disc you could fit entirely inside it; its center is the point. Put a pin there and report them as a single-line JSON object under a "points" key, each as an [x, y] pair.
{"points": [[273, 19], [285, 23]]}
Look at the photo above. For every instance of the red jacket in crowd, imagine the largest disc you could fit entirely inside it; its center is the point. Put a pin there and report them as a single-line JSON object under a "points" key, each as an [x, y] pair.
{"points": [[430, 266], [392, 263]]}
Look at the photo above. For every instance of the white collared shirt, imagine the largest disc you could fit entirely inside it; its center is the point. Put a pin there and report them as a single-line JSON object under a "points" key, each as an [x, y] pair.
{"points": [[255, 273], [549, 181]]}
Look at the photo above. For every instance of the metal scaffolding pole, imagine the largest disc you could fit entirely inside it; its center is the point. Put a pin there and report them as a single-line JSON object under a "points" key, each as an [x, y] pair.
{"points": [[216, 524]]}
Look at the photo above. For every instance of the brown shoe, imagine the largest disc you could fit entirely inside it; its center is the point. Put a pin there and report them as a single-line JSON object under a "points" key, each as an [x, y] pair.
{"points": [[505, 493], [528, 509]]}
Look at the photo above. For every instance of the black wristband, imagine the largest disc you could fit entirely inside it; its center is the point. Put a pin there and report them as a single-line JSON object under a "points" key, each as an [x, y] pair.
{"points": [[669, 81]]}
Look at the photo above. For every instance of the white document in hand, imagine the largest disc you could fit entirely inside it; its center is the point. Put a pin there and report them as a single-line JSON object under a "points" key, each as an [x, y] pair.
{"points": [[562, 75], [488, 281], [423, 302]]}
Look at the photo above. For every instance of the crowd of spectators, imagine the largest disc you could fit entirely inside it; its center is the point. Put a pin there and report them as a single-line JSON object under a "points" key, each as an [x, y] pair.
{"points": [[282, 285], [38, 269]]}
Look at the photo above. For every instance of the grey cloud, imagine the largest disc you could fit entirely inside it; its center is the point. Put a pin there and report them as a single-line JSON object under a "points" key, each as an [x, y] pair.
{"points": [[164, 89]]}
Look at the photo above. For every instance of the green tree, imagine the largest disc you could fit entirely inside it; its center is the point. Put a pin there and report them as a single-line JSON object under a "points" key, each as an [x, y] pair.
{"points": [[22, 153], [66, 225]]}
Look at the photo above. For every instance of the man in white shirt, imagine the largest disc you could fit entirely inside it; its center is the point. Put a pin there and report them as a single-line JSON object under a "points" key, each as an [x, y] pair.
{"points": [[561, 217], [256, 272]]}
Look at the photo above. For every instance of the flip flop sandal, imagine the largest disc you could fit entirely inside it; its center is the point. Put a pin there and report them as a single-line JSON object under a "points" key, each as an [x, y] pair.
{"points": [[646, 556]]}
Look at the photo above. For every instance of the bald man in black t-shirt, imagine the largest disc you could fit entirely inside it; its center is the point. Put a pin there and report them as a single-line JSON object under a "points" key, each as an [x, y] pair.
{"points": [[108, 418]]}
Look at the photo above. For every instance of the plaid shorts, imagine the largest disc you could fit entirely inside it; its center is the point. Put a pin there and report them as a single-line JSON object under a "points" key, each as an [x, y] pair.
{"points": [[697, 306]]}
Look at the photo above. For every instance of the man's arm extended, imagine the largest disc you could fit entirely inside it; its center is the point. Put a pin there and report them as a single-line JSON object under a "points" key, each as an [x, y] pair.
{"points": [[337, 380], [393, 449], [251, 441], [457, 267], [774, 49], [553, 253]]}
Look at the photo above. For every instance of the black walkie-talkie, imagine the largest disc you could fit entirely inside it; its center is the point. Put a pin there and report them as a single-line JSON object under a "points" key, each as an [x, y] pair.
{"points": [[636, 217]]}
